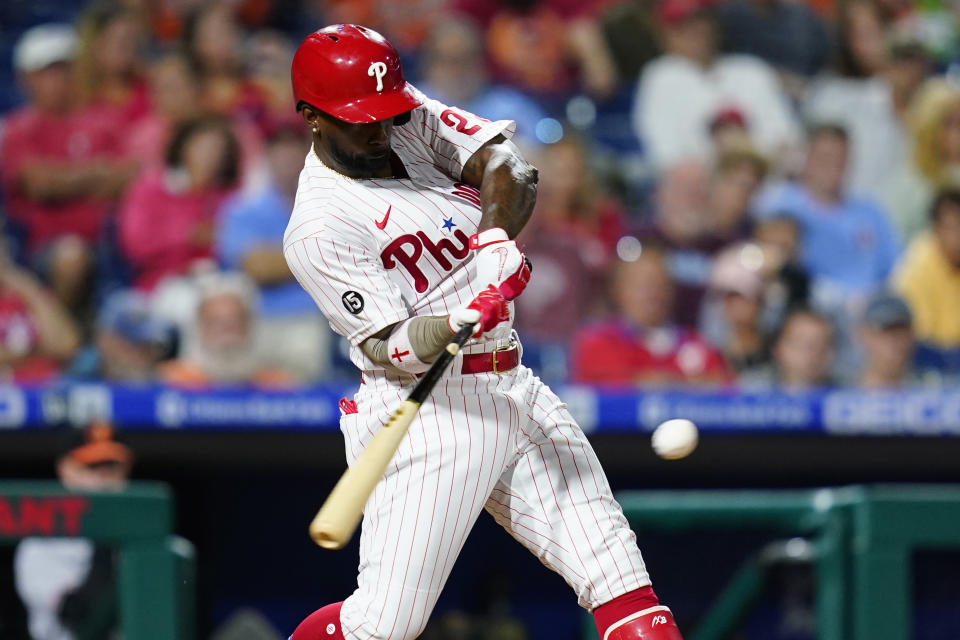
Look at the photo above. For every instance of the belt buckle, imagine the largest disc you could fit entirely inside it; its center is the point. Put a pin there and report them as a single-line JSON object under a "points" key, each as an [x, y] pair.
{"points": [[506, 347]]}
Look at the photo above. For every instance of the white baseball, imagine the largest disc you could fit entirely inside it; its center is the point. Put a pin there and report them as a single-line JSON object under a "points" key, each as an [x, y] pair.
{"points": [[675, 439]]}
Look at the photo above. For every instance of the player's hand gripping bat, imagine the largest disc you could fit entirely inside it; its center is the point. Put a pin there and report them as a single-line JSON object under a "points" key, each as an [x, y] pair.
{"points": [[334, 524]]}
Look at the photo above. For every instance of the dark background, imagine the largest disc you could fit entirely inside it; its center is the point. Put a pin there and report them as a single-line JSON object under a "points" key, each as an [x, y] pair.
{"points": [[245, 500]]}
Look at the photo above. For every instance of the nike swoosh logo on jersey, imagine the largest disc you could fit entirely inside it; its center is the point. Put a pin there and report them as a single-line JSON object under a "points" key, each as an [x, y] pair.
{"points": [[383, 223]]}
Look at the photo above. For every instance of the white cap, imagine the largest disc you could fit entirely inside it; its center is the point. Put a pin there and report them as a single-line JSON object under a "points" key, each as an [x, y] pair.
{"points": [[44, 45]]}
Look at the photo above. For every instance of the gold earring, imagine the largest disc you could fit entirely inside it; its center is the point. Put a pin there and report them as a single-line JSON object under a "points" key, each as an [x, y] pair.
{"points": [[315, 130]]}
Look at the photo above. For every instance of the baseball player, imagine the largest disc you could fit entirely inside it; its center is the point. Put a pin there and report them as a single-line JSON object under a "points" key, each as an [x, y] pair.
{"points": [[402, 232]]}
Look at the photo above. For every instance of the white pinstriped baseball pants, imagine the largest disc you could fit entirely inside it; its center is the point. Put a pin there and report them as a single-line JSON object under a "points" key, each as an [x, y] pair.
{"points": [[506, 444]]}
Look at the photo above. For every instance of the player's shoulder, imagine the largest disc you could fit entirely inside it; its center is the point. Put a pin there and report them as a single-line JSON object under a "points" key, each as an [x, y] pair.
{"points": [[314, 202], [317, 219], [324, 218]]}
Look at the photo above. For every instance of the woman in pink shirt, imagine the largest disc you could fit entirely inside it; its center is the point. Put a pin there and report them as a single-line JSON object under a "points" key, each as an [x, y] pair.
{"points": [[167, 218]]}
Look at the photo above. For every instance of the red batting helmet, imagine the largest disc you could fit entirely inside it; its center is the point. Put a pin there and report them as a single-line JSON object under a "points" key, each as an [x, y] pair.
{"points": [[352, 73]]}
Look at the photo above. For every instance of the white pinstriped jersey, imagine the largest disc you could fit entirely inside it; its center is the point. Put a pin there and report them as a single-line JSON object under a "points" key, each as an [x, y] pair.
{"points": [[374, 252]]}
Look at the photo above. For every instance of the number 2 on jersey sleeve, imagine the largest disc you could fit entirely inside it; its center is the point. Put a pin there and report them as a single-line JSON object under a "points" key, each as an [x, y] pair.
{"points": [[459, 121]]}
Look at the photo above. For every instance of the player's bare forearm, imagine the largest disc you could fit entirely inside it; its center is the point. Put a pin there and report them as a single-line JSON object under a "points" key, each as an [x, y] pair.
{"points": [[507, 184]]}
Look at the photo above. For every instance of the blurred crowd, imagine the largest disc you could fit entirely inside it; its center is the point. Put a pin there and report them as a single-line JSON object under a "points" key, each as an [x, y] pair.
{"points": [[734, 193]]}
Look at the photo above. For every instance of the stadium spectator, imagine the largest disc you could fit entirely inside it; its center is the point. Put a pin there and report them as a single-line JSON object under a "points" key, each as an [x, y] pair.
{"points": [[780, 232], [868, 95], [802, 354], [250, 239], [886, 335], [789, 287], [212, 39], [729, 131], [545, 47], [570, 199], [787, 35], [452, 70], [60, 166], [174, 97], [129, 342], [69, 585], [732, 315], [572, 239], [641, 345], [109, 71], [628, 27], [847, 243], [37, 334], [268, 56], [860, 47], [221, 345], [696, 213], [681, 224], [934, 161], [929, 275], [681, 92], [167, 217], [738, 174]]}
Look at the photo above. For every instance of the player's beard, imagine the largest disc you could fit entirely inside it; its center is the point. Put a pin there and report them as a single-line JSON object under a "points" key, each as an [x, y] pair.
{"points": [[360, 165]]}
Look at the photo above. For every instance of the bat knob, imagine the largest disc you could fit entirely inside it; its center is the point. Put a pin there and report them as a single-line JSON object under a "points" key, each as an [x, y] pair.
{"points": [[321, 535]]}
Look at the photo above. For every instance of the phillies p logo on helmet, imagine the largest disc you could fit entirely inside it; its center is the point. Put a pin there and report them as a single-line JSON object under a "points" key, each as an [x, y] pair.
{"points": [[332, 72], [378, 69]]}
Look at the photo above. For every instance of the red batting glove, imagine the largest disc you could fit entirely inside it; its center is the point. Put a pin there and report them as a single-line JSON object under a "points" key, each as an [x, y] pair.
{"points": [[500, 262], [514, 284], [486, 311]]}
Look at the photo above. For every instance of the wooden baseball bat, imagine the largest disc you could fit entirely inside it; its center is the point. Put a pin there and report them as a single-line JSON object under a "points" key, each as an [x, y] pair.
{"points": [[334, 524]]}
